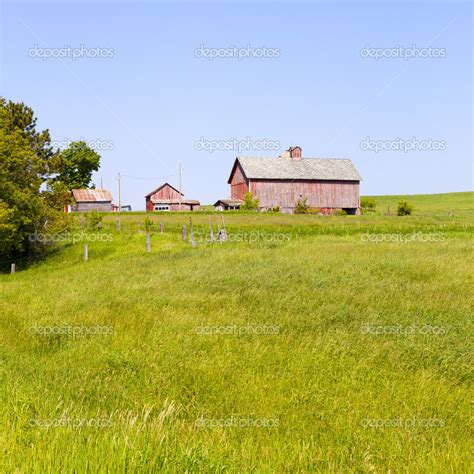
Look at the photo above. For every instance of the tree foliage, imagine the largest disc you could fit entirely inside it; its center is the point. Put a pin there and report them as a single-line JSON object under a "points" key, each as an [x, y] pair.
{"points": [[76, 165], [250, 204], [368, 204], [35, 180], [20, 117], [21, 168]]}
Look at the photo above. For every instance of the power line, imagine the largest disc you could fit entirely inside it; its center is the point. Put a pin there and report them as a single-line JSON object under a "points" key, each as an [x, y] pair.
{"points": [[135, 177]]}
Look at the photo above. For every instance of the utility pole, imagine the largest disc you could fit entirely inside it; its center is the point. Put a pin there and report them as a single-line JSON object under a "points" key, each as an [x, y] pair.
{"points": [[119, 202], [101, 185], [180, 183]]}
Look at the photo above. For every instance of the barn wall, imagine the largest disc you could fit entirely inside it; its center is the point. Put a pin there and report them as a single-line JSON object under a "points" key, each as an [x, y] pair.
{"points": [[238, 184], [166, 192], [175, 207], [327, 194], [253, 188], [94, 206], [148, 204], [184, 207]]}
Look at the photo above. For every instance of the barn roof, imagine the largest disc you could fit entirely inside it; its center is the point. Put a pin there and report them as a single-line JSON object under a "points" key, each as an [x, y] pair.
{"points": [[337, 169], [92, 195], [162, 186]]}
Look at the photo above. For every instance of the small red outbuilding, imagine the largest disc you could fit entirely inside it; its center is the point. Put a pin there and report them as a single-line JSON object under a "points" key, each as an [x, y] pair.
{"points": [[168, 198]]}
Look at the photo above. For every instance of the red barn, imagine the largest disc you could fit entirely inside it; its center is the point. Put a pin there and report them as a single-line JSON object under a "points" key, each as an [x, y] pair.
{"points": [[327, 183], [168, 198]]}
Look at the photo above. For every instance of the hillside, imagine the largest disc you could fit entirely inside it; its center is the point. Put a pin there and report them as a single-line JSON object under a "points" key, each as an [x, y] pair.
{"points": [[432, 204], [309, 343]]}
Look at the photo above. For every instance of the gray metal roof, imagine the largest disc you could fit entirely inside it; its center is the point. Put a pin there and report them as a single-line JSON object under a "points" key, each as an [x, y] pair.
{"points": [[229, 202], [92, 195], [256, 167]]}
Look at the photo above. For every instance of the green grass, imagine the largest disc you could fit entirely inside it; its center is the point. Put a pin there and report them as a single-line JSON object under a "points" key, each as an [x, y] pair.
{"points": [[320, 378], [460, 204]]}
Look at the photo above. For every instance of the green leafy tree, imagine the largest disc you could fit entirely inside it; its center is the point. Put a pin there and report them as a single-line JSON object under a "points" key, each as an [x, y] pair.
{"points": [[26, 160], [76, 165], [57, 195], [250, 204], [8, 229], [21, 118], [21, 205]]}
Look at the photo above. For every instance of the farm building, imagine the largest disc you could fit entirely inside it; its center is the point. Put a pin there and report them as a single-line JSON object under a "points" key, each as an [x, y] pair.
{"points": [[168, 198], [91, 199], [327, 183], [228, 204]]}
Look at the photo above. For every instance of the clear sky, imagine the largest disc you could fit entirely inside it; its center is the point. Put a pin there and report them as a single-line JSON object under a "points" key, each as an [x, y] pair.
{"points": [[154, 99]]}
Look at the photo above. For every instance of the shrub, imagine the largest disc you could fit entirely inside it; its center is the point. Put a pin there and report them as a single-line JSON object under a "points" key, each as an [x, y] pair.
{"points": [[94, 220], [368, 204], [404, 209], [314, 210], [250, 204], [301, 206], [275, 209], [148, 224], [340, 212]]}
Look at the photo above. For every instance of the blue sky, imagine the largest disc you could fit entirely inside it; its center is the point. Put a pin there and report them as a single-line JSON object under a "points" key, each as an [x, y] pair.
{"points": [[147, 104]]}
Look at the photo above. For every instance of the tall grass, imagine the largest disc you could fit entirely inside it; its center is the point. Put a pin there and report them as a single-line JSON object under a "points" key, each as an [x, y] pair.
{"points": [[358, 352]]}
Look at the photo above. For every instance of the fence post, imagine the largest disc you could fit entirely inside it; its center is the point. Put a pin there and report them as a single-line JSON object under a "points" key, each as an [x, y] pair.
{"points": [[86, 252], [184, 232], [117, 224], [13, 268], [148, 243], [211, 231], [224, 230], [162, 227]]}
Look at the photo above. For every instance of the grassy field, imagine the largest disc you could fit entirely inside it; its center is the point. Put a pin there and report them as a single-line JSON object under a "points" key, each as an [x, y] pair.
{"points": [[302, 344]]}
